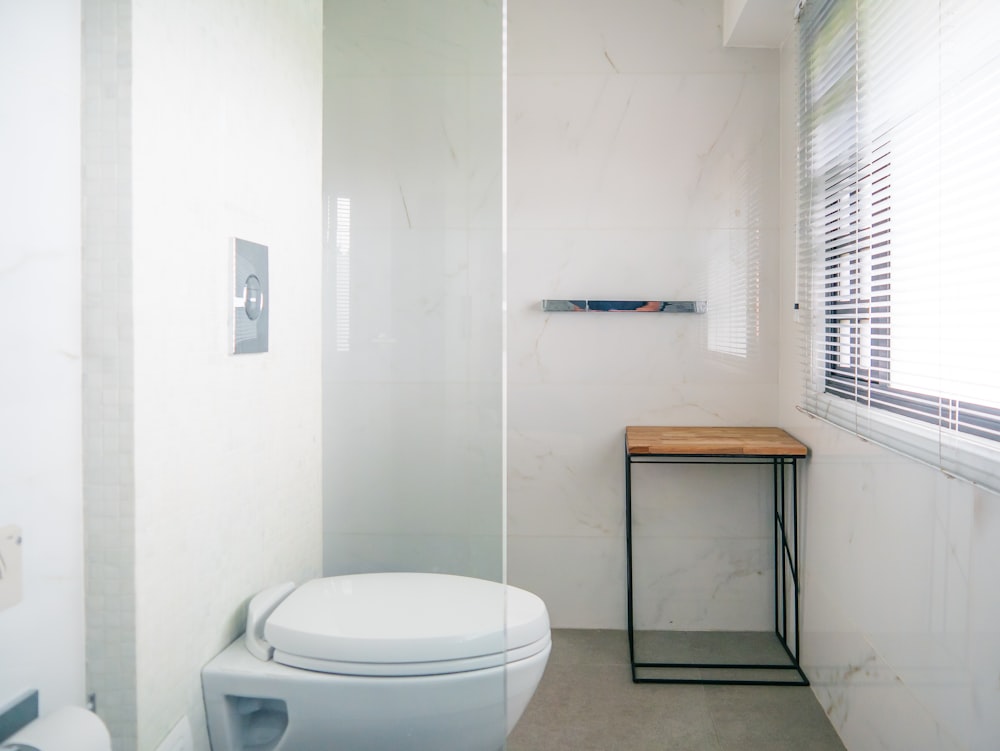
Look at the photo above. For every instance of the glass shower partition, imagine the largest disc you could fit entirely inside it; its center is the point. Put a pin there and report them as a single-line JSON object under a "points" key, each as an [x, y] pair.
{"points": [[413, 341]]}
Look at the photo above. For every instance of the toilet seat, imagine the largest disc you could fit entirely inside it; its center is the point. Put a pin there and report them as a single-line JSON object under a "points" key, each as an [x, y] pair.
{"points": [[405, 624], [404, 669]]}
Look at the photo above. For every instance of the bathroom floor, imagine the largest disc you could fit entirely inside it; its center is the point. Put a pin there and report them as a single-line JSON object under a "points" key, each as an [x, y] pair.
{"points": [[586, 701]]}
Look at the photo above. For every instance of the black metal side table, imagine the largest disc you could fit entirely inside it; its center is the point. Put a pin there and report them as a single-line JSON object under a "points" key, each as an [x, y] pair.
{"points": [[707, 445]]}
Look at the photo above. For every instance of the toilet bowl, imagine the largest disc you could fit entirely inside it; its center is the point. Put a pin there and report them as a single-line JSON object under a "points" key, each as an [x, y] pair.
{"points": [[379, 662]]}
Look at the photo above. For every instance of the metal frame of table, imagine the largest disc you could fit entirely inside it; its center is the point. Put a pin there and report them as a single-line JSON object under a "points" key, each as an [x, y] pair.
{"points": [[755, 446]]}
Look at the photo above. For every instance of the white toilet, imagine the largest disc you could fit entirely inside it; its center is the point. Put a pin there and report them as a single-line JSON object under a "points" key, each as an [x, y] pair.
{"points": [[379, 662]]}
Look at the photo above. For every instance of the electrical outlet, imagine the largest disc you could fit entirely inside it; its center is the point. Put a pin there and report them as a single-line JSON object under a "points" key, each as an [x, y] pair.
{"points": [[179, 738], [10, 566]]}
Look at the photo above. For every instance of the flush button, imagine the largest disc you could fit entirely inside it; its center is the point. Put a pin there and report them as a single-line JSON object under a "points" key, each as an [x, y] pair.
{"points": [[253, 298], [251, 301]]}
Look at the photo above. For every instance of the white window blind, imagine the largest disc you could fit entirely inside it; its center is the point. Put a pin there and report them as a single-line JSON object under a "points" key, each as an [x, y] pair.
{"points": [[899, 245]]}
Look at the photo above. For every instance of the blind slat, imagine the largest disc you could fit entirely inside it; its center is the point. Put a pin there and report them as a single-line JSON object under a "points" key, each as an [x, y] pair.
{"points": [[899, 261]]}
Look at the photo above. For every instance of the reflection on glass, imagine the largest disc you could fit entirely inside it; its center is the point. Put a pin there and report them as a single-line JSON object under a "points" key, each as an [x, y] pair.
{"points": [[343, 271], [412, 325], [734, 272]]}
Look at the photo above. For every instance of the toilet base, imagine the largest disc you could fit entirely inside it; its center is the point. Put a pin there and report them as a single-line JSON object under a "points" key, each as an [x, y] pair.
{"points": [[266, 706]]}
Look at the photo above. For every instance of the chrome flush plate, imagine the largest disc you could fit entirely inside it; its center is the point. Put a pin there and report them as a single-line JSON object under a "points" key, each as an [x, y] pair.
{"points": [[251, 297]]}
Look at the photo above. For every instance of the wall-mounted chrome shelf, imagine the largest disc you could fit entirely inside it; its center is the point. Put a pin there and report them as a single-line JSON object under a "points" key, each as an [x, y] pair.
{"points": [[625, 306]]}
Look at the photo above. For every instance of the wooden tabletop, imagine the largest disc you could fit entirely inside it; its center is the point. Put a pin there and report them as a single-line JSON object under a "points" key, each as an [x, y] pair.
{"points": [[688, 441]]}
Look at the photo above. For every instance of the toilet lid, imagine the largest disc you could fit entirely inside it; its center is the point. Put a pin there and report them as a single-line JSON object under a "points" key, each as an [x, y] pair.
{"points": [[404, 618]]}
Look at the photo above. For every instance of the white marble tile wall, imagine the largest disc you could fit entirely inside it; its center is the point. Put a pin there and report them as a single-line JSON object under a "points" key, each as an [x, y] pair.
{"points": [[642, 165], [227, 142], [201, 469], [413, 327], [901, 616], [42, 637]]}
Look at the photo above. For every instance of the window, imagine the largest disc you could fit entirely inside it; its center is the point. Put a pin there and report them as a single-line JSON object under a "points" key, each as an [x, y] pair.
{"points": [[900, 256]]}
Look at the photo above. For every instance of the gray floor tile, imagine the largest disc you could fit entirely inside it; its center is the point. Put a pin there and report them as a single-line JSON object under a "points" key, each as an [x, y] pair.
{"points": [[589, 647], [587, 702], [770, 717], [735, 647], [598, 707]]}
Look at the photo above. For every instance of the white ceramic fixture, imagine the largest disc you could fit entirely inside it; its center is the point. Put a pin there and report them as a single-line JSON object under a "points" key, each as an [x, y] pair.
{"points": [[379, 662]]}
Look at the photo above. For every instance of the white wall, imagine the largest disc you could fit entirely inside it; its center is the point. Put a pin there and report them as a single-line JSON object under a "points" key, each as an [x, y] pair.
{"points": [[902, 618], [203, 123], [41, 639], [227, 115], [642, 165], [732, 12]]}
